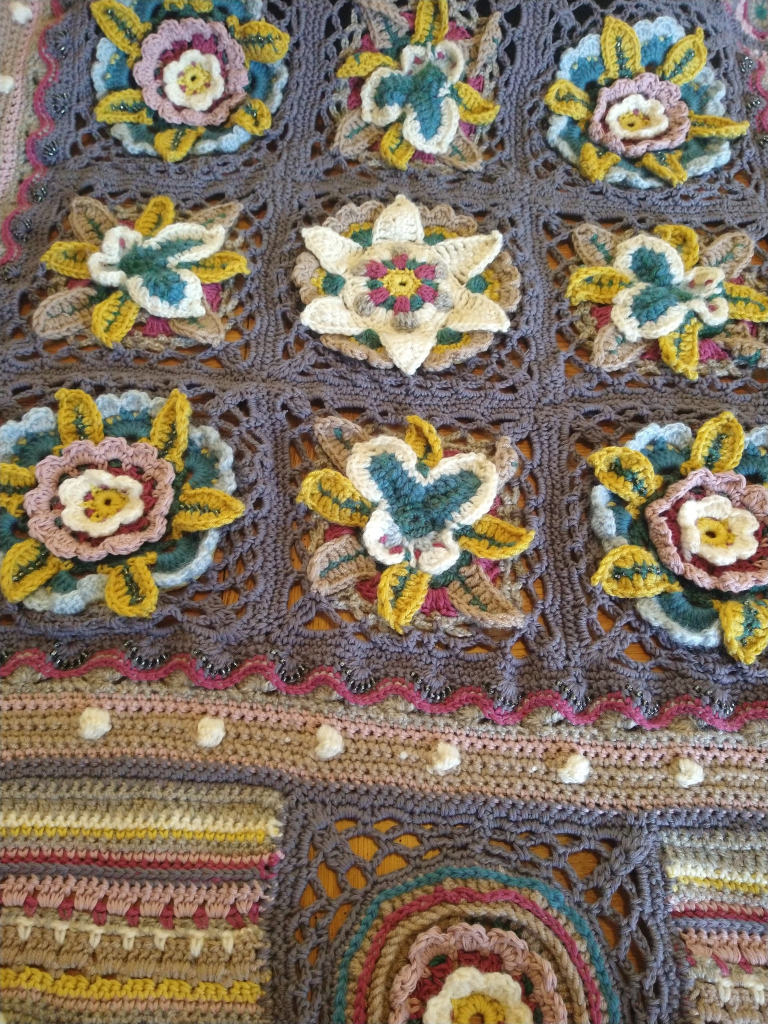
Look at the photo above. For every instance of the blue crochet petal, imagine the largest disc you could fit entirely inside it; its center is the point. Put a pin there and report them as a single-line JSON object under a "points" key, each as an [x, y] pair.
{"points": [[652, 267], [651, 303], [394, 90], [696, 614]]}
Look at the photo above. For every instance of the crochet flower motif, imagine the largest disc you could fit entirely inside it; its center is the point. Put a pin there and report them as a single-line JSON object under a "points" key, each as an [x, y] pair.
{"points": [[414, 92], [684, 522], [640, 106], [417, 522], [469, 993], [156, 273], [175, 77], [664, 297], [89, 514], [389, 290]]}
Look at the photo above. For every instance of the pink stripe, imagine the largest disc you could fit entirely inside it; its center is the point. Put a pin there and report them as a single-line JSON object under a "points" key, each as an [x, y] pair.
{"points": [[465, 895], [16, 103]]}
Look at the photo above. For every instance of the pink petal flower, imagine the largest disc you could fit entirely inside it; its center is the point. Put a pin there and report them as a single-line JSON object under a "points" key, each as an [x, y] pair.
{"points": [[425, 272], [710, 351], [400, 260], [379, 295], [374, 268], [402, 304], [332, 532], [426, 293], [478, 82], [156, 326], [212, 293]]}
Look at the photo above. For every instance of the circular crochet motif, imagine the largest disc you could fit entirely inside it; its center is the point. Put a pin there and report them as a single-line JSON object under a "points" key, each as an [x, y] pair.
{"points": [[640, 106], [143, 281], [405, 285], [173, 85], [669, 299], [418, 88], [684, 522], [90, 514], [416, 530]]}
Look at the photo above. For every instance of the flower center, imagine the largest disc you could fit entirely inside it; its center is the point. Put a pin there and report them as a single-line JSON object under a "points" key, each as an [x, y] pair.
{"points": [[637, 117], [401, 282], [194, 79], [477, 1008], [715, 532], [633, 120], [103, 502]]}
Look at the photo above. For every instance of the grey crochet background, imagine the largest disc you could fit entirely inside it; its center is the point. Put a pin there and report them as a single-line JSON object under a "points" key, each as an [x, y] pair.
{"points": [[262, 389]]}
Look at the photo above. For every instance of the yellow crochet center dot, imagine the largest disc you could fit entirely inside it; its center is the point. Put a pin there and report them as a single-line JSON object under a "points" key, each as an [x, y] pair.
{"points": [[194, 79], [105, 502], [634, 120], [715, 532], [401, 282], [477, 1009]]}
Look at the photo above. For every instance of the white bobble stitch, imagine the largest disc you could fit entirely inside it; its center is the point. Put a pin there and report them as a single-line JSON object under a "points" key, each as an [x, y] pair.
{"points": [[330, 743], [689, 773], [20, 13], [446, 757], [575, 771], [210, 731], [95, 723], [403, 755], [6, 84]]}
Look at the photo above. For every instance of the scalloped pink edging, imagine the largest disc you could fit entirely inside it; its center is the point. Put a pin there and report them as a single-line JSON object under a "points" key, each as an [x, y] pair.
{"points": [[394, 687], [46, 126]]}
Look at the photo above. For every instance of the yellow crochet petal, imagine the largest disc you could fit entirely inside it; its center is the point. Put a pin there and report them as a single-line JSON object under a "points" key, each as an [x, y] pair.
{"points": [[15, 481], [126, 105], [395, 150], [156, 215], [121, 25], [174, 144], [680, 349], [27, 566], [627, 473], [260, 41], [332, 496], [424, 440], [221, 266], [666, 166], [596, 284], [203, 508], [473, 107], [253, 116], [130, 589], [69, 259], [708, 126], [620, 48], [170, 429], [431, 22], [79, 417], [401, 592], [745, 628], [592, 165], [631, 571], [493, 538], [361, 64], [563, 97], [718, 445], [114, 317], [684, 239], [745, 303], [685, 59]]}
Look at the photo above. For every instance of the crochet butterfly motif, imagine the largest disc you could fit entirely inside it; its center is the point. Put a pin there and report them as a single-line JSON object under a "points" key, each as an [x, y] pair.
{"points": [[640, 106], [175, 77], [667, 298], [418, 88], [139, 280], [405, 285], [684, 522], [420, 529], [111, 500]]}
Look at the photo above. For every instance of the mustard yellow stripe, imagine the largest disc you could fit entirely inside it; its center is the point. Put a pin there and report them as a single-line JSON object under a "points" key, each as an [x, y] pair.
{"points": [[257, 835], [71, 986], [753, 888]]}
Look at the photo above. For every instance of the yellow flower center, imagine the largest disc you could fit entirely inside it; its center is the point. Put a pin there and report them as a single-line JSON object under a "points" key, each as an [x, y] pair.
{"points": [[194, 79], [105, 502], [477, 1008], [715, 532], [634, 120], [401, 282]]}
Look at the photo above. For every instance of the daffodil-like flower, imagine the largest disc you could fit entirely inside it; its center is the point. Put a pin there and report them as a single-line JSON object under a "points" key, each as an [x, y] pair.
{"points": [[684, 521], [112, 500], [469, 993], [153, 276], [640, 106], [415, 520], [389, 290], [666, 297], [175, 77], [413, 91]]}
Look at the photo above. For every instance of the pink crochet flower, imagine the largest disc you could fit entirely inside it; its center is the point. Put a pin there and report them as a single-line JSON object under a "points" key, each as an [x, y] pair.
{"points": [[102, 499], [634, 116], [712, 528], [192, 72]]}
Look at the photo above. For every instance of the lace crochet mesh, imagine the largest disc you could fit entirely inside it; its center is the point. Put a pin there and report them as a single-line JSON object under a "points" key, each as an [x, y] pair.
{"points": [[262, 388]]}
